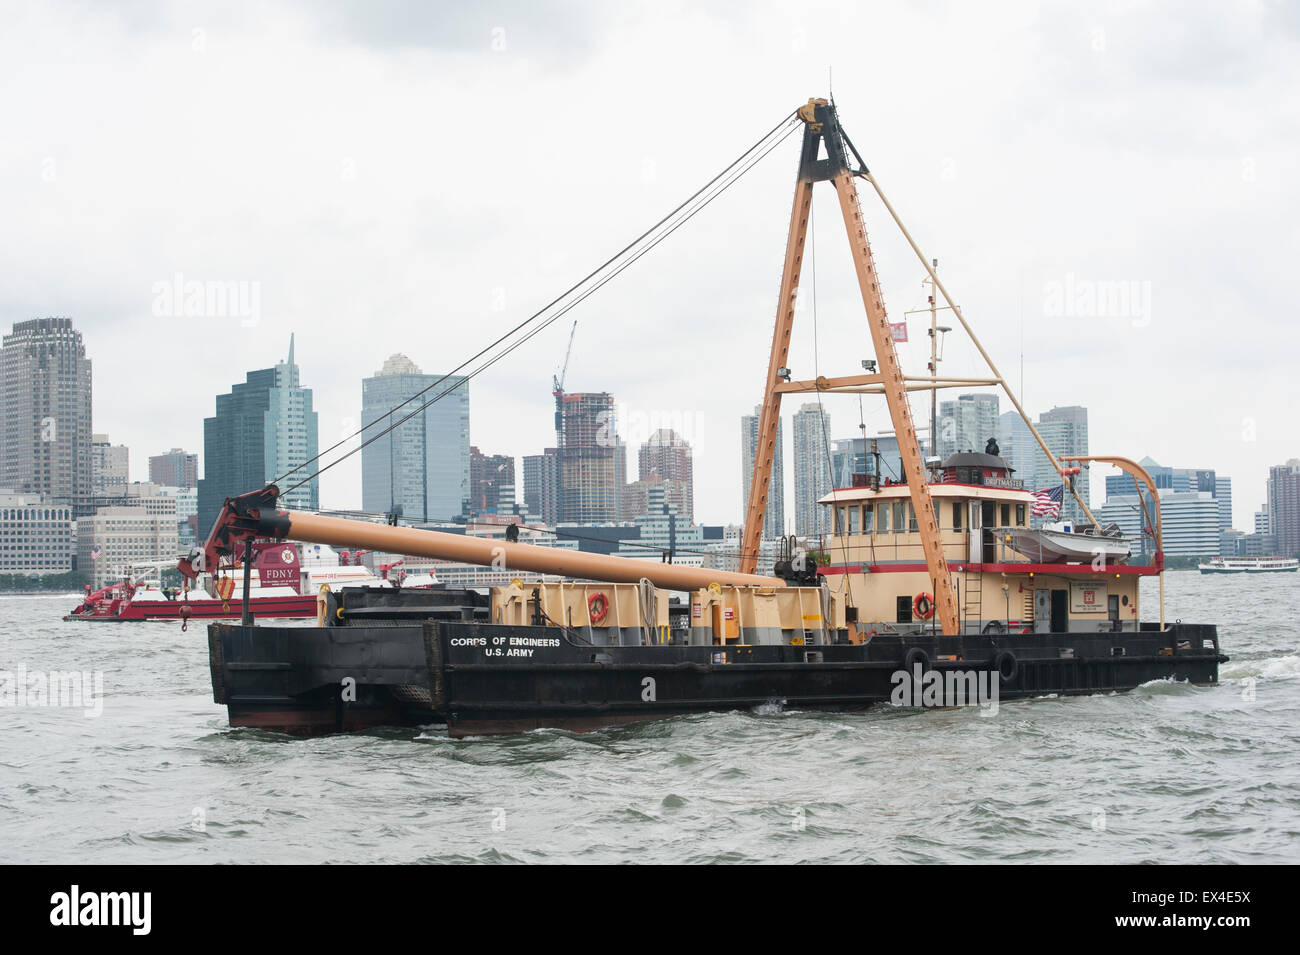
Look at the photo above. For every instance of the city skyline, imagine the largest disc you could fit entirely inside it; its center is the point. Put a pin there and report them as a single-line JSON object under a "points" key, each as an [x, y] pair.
{"points": [[1011, 441]]}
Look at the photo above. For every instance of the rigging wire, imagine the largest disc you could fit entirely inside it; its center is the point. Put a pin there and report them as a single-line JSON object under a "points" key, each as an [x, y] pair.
{"points": [[666, 231], [762, 147]]}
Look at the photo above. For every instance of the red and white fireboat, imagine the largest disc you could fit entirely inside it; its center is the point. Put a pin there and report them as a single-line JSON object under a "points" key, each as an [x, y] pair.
{"points": [[284, 583]]}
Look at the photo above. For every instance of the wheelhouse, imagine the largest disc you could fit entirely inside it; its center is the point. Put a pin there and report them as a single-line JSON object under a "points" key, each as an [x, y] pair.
{"points": [[875, 545]]}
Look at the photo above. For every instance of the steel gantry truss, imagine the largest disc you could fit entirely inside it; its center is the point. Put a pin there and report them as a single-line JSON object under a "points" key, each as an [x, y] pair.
{"points": [[823, 134]]}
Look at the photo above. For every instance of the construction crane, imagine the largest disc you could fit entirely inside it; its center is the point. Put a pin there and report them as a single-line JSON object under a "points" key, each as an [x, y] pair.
{"points": [[822, 132], [557, 381]]}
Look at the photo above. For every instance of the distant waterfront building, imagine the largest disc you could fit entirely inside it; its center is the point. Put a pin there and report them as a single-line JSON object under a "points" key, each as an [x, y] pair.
{"points": [[724, 554], [812, 469], [774, 516], [45, 411], [1284, 507], [113, 539], [1065, 431], [187, 514], [638, 495], [422, 466], [668, 456], [542, 486], [1257, 545], [1222, 491], [1018, 448], [592, 458], [1261, 521], [36, 537], [1189, 522], [263, 429], [662, 529], [1182, 481], [110, 465], [967, 423], [487, 474], [850, 456], [176, 468]]}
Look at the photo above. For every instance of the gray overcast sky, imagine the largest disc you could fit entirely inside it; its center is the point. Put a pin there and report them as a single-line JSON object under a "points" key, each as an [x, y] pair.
{"points": [[419, 177]]}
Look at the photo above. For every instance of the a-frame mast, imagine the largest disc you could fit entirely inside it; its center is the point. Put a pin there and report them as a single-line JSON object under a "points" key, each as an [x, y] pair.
{"points": [[821, 127]]}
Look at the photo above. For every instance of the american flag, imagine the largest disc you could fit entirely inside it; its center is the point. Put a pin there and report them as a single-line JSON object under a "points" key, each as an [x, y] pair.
{"points": [[1047, 502], [94, 552]]}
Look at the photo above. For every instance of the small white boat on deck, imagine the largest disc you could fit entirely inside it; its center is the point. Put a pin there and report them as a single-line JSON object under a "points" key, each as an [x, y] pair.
{"points": [[1061, 543]]}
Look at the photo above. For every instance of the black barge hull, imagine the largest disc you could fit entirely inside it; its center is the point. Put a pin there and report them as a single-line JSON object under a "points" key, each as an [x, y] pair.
{"points": [[483, 679]]}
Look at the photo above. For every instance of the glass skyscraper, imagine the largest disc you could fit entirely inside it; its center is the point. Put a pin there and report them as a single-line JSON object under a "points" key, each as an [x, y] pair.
{"points": [[264, 428], [423, 465], [774, 516]]}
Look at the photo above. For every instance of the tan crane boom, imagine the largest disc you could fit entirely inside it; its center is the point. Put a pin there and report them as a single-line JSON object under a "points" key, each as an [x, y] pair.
{"points": [[254, 516]]}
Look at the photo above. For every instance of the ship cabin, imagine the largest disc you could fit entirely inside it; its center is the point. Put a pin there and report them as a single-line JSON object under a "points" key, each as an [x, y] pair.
{"points": [[982, 510]]}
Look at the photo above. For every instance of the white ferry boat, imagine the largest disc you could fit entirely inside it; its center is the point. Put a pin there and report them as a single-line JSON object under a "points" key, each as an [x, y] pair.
{"points": [[1249, 565]]}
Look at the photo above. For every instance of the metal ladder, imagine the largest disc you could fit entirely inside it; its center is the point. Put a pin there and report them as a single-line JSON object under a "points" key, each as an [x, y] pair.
{"points": [[972, 585]]}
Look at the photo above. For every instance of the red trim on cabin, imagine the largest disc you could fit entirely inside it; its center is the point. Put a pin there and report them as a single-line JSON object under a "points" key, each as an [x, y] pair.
{"points": [[1057, 569]]}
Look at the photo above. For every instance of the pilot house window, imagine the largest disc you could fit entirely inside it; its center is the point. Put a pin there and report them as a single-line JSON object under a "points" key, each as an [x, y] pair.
{"points": [[1020, 515], [853, 519], [898, 517], [957, 507]]}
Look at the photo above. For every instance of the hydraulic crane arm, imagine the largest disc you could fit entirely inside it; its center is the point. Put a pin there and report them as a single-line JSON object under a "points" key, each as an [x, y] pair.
{"points": [[254, 515]]}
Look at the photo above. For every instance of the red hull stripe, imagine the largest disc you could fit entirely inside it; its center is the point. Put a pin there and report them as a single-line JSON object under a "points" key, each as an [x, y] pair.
{"points": [[1057, 569]]}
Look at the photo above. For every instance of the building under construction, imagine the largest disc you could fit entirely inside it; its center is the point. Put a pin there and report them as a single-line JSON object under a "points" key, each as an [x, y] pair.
{"points": [[592, 458]]}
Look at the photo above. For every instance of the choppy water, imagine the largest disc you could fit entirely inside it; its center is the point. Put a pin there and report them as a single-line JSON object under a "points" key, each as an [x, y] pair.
{"points": [[1166, 773]]}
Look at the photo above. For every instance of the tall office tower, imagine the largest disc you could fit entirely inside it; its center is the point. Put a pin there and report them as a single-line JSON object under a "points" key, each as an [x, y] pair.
{"points": [[176, 468], [45, 414], [542, 486], [667, 455], [592, 458], [421, 468], [1017, 446], [109, 465], [774, 515], [1284, 507], [812, 470], [261, 431], [967, 423], [1065, 431], [488, 473], [1223, 494]]}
